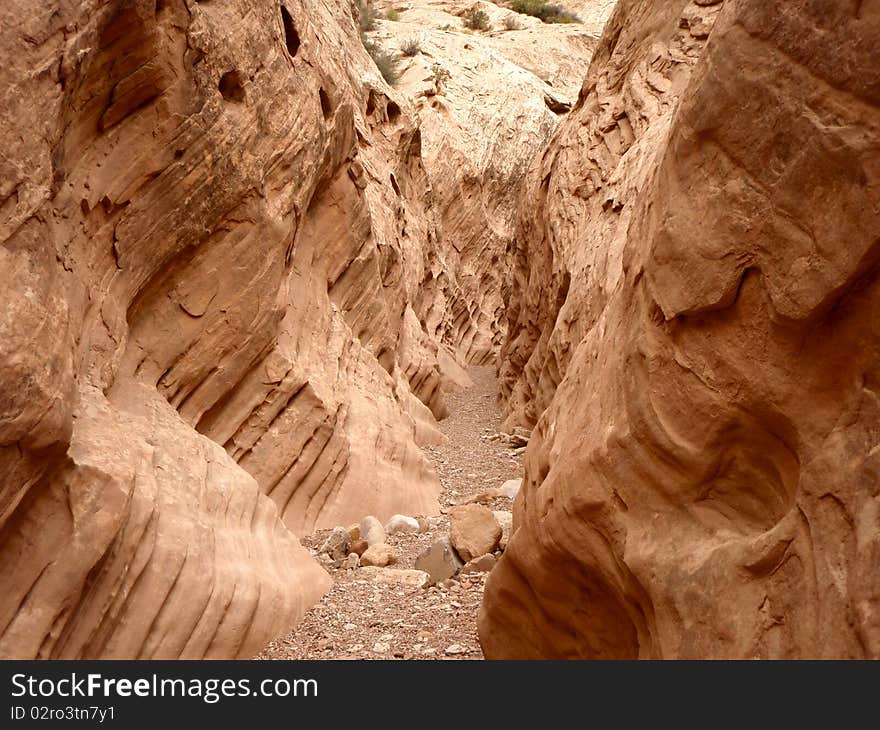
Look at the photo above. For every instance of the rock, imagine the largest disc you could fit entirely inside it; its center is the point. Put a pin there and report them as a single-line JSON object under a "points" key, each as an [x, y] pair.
{"points": [[372, 531], [401, 524], [482, 564], [473, 531], [359, 547], [378, 555], [424, 525], [455, 649], [337, 544], [351, 561], [505, 520], [439, 561], [381, 647], [483, 497], [511, 488], [695, 360], [397, 576], [197, 333], [354, 532], [480, 130]]}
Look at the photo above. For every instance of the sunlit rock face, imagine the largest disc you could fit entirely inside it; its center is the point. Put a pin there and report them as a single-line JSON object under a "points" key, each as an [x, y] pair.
{"points": [[693, 331]]}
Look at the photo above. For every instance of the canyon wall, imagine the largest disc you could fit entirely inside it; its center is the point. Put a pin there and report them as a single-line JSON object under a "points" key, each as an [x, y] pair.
{"points": [[502, 94], [214, 221], [693, 333]]}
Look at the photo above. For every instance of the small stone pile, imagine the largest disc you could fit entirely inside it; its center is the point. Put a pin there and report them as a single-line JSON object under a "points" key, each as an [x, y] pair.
{"points": [[477, 537], [420, 596], [517, 439], [364, 544]]}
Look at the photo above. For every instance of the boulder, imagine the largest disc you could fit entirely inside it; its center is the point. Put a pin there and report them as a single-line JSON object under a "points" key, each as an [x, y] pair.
{"points": [[401, 524], [483, 497], [505, 519], [439, 561], [473, 531], [482, 564], [372, 531], [378, 555], [359, 547], [338, 544], [511, 488]]}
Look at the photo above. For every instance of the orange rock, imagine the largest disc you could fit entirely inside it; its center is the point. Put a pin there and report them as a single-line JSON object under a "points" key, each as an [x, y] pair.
{"points": [[706, 225]]}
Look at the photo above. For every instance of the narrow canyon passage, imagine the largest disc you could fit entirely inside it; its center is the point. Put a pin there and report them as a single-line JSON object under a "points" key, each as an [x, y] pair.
{"points": [[384, 613]]}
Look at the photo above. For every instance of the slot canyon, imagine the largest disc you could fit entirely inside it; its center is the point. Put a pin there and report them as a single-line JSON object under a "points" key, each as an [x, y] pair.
{"points": [[440, 329]]}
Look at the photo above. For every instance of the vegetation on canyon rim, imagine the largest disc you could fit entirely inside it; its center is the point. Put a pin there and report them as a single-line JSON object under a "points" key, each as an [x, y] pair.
{"points": [[384, 60], [476, 19], [547, 12]]}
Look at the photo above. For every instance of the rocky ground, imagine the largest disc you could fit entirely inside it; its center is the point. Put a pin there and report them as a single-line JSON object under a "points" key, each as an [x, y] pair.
{"points": [[385, 612]]}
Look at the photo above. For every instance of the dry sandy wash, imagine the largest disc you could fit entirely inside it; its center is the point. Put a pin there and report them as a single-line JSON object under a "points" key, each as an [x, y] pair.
{"points": [[243, 281]]}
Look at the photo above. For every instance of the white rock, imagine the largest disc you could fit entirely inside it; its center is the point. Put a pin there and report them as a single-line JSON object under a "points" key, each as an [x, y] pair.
{"points": [[456, 649], [401, 524], [511, 488], [371, 531]]}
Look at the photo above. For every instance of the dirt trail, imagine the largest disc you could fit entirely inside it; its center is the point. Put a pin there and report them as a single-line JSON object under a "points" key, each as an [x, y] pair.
{"points": [[362, 617]]}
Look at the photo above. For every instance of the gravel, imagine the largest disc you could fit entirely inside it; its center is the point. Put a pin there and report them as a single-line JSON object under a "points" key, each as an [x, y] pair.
{"points": [[361, 618]]}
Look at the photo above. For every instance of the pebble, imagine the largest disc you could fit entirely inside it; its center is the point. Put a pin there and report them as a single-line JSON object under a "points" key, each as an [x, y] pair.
{"points": [[456, 649]]}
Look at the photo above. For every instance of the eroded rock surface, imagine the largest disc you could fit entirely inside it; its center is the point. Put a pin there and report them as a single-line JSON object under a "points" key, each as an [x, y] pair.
{"points": [[487, 101], [693, 330], [214, 222]]}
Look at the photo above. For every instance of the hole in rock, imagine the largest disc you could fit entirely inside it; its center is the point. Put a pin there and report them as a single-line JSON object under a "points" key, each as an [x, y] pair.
{"points": [[231, 88], [326, 108], [371, 104], [394, 184], [291, 37], [393, 111]]}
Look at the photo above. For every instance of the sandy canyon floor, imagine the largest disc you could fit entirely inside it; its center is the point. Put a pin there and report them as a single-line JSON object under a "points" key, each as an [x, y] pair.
{"points": [[369, 613]]}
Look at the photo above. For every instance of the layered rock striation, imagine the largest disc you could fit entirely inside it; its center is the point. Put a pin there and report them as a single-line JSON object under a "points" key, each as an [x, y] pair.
{"points": [[487, 101], [693, 333], [214, 221]]}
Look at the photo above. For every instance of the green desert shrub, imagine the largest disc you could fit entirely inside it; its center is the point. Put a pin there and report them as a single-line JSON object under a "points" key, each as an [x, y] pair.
{"points": [[393, 15], [547, 12], [367, 16], [385, 61], [476, 19], [410, 47], [511, 23]]}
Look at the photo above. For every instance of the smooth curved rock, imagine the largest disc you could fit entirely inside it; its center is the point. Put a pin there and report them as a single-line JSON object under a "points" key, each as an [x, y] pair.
{"points": [[703, 478], [214, 225]]}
